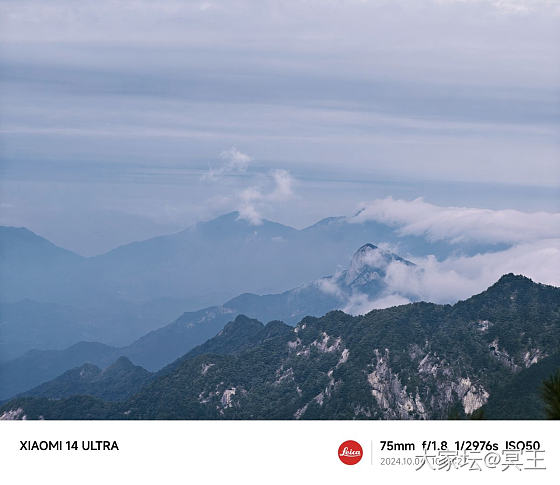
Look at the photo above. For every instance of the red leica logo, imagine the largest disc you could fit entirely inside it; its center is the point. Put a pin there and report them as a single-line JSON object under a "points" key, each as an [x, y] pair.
{"points": [[350, 452]]}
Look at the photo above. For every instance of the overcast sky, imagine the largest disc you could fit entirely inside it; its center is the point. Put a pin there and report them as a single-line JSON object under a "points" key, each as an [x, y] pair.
{"points": [[122, 120]]}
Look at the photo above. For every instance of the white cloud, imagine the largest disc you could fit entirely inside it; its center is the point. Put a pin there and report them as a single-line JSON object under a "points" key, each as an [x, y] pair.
{"points": [[359, 303], [460, 277], [329, 286], [460, 223], [259, 192], [430, 89], [236, 162], [248, 212], [283, 185], [276, 188], [455, 278]]}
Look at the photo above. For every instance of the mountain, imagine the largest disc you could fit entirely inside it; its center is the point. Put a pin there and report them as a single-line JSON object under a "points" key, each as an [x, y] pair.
{"points": [[415, 361], [37, 366], [271, 257], [519, 397], [30, 324], [121, 295], [159, 347], [30, 264], [238, 335], [364, 277], [117, 382], [202, 262], [122, 378], [38, 325], [20, 246]]}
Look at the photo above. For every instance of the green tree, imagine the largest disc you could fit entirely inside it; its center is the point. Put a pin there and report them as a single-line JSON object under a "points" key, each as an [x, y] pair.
{"points": [[551, 395], [478, 414]]}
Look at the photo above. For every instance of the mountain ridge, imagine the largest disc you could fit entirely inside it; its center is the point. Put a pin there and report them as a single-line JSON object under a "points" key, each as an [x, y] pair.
{"points": [[415, 361], [121, 379], [116, 296], [158, 347]]}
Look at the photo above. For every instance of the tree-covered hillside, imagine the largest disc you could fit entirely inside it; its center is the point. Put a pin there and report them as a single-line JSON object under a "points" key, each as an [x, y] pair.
{"points": [[117, 382], [416, 361]]}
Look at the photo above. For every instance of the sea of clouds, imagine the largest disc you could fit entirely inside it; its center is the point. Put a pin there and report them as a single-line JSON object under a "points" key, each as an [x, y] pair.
{"points": [[532, 239]]}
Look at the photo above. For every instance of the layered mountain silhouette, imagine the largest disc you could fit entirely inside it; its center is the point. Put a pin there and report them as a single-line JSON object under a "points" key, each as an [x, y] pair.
{"points": [[121, 295], [122, 378], [364, 277], [415, 361]]}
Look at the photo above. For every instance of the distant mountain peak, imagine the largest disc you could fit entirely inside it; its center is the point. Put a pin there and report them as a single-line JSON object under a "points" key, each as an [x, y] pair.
{"points": [[234, 223], [367, 247], [370, 256], [366, 263], [21, 230], [229, 216], [25, 243], [327, 221], [234, 217], [369, 263]]}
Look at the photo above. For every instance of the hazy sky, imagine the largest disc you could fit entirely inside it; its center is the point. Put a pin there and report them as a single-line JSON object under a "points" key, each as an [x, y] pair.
{"points": [[122, 120]]}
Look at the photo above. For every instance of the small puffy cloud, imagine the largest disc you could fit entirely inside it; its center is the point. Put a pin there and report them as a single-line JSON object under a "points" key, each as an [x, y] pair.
{"points": [[236, 162], [260, 189], [277, 187], [283, 184], [247, 209], [329, 286], [457, 224]]}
